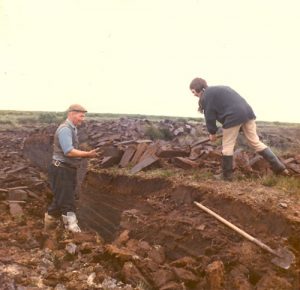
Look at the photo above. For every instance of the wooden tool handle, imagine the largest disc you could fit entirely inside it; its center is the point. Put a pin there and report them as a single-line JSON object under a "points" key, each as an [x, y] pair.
{"points": [[235, 228]]}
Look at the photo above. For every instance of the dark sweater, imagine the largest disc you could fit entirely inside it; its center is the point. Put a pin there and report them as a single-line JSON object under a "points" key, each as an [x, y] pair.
{"points": [[223, 104]]}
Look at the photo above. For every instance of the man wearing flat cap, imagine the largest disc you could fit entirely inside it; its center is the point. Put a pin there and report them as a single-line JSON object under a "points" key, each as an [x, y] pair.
{"points": [[63, 170]]}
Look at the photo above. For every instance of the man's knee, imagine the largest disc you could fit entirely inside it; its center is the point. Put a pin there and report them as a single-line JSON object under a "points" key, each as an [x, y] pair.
{"points": [[259, 146]]}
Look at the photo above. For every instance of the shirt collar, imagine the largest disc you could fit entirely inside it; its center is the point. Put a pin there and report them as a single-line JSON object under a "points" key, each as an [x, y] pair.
{"points": [[71, 123]]}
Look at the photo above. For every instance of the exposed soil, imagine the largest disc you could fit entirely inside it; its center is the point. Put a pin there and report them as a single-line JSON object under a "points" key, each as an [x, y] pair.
{"points": [[140, 231]]}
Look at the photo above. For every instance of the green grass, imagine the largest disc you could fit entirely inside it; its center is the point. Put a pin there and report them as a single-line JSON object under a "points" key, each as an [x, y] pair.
{"points": [[154, 133], [13, 114], [138, 116], [198, 175], [289, 184], [6, 122], [50, 117], [17, 118], [269, 180], [277, 123], [161, 172]]}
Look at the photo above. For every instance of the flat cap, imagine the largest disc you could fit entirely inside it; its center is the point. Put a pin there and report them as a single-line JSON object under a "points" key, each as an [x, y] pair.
{"points": [[76, 108]]}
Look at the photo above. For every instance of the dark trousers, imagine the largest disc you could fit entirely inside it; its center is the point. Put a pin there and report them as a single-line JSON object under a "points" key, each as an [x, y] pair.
{"points": [[62, 181]]}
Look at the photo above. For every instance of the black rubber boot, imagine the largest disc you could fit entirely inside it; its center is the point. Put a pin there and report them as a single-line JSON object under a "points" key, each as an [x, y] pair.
{"points": [[227, 167], [276, 165]]}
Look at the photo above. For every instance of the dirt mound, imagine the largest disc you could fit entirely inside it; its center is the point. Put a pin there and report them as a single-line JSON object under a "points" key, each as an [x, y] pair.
{"points": [[30, 256], [141, 231], [163, 214]]}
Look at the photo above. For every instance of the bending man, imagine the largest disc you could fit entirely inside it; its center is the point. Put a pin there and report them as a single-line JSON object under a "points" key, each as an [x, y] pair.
{"points": [[223, 104]]}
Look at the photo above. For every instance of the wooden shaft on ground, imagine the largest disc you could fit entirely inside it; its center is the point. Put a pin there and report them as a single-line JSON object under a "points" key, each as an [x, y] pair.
{"points": [[235, 228]]}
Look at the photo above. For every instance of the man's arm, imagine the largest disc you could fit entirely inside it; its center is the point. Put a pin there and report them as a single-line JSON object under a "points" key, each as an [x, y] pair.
{"points": [[210, 116], [210, 120], [65, 140], [83, 154]]}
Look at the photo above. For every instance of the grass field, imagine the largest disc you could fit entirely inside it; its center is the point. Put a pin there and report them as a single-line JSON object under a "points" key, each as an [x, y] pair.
{"points": [[19, 118]]}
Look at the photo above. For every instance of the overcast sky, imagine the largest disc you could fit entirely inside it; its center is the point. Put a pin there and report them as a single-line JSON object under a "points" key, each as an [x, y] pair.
{"points": [[139, 56]]}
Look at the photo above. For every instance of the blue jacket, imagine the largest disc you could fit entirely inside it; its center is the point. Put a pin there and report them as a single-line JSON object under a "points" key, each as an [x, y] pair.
{"points": [[223, 104], [65, 139]]}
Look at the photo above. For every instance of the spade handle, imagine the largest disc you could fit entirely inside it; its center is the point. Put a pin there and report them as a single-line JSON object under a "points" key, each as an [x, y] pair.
{"points": [[235, 228]]}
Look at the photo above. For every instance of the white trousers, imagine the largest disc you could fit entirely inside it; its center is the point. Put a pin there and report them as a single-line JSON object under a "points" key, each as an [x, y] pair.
{"points": [[230, 135]]}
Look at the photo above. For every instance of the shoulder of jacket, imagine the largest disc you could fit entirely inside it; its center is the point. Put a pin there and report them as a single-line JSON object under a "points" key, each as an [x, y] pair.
{"points": [[63, 127]]}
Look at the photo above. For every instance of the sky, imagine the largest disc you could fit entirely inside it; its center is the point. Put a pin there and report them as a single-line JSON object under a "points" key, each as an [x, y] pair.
{"points": [[139, 56]]}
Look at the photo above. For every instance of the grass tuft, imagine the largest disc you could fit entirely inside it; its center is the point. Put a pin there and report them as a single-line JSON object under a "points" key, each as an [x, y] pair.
{"points": [[287, 183], [155, 133]]}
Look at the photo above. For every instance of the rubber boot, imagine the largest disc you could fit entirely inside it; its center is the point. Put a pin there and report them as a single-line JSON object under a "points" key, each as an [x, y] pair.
{"points": [[227, 167], [71, 223], [276, 165]]}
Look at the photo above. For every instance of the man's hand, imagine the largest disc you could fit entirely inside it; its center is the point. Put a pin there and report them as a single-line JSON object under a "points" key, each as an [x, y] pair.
{"points": [[91, 153], [212, 137]]}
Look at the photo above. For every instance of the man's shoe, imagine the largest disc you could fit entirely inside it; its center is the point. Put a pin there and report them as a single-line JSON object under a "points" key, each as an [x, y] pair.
{"points": [[71, 223]]}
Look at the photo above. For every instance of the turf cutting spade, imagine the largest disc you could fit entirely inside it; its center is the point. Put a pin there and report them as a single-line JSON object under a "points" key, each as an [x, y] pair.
{"points": [[284, 258], [202, 141]]}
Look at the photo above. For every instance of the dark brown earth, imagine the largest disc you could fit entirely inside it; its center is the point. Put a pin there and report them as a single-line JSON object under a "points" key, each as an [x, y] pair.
{"points": [[143, 231]]}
